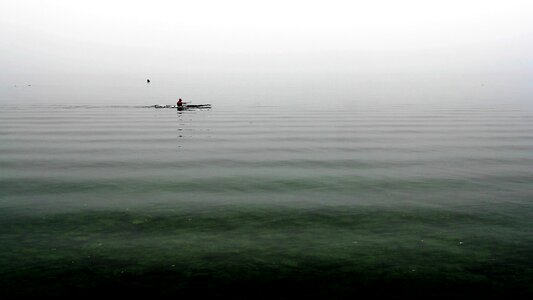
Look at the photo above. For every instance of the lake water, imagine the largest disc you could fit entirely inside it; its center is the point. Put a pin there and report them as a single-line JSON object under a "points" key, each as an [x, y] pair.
{"points": [[325, 201]]}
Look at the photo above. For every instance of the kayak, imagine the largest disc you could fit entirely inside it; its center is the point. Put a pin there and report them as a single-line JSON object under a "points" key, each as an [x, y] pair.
{"points": [[186, 106]]}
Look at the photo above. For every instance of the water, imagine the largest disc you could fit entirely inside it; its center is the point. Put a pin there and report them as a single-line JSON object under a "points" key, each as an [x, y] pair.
{"points": [[326, 202]]}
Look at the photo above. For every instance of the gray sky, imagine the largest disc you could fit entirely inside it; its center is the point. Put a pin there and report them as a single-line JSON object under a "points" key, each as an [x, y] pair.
{"points": [[103, 37]]}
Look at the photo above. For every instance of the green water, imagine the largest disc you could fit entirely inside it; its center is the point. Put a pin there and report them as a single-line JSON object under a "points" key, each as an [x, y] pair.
{"points": [[264, 203]]}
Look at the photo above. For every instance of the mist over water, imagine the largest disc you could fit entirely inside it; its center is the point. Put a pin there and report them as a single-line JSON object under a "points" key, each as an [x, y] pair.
{"points": [[352, 149], [323, 185], [289, 91]]}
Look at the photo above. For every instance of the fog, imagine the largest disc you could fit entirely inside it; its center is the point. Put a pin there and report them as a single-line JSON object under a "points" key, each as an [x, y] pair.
{"points": [[255, 51]]}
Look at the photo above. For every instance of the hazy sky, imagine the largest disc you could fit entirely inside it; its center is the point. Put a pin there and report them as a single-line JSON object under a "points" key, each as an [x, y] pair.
{"points": [[102, 37]]}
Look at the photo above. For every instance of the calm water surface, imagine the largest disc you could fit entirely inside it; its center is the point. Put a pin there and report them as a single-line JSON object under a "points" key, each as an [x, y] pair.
{"points": [[326, 202]]}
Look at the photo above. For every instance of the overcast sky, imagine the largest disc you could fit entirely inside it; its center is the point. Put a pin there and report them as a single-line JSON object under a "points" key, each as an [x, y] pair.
{"points": [[106, 36]]}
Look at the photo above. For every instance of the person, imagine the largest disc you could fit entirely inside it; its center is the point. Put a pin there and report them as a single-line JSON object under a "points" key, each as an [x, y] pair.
{"points": [[147, 80], [179, 104]]}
